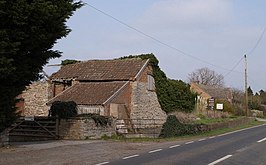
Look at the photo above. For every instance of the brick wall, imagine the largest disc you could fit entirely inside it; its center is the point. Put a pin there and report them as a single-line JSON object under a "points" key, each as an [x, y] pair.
{"points": [[123, 99]]}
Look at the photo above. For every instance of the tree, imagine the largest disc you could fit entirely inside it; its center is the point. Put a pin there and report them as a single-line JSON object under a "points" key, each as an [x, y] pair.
{"points": [[263, 96], [28, 31], [250, 91], [238, 96], [254, 101], [206, 76]]}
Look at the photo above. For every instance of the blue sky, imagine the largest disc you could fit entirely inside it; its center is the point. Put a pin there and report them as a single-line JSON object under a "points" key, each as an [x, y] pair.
{"points": [[211, 33]]}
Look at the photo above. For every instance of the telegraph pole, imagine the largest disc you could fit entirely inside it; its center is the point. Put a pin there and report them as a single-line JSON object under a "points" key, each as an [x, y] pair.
{"points": [[246, 86]]}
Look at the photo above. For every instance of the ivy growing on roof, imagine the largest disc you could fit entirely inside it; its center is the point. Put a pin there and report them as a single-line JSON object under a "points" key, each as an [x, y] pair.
{"points": [[68, 61], [173, 95]]}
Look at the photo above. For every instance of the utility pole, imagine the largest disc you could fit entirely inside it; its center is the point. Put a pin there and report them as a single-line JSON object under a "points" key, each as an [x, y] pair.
{"points": [[246, 86]]}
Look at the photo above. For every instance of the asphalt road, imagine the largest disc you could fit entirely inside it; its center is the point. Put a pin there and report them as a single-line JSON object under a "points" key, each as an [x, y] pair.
{"points": [[245, 147], [242, 147]]}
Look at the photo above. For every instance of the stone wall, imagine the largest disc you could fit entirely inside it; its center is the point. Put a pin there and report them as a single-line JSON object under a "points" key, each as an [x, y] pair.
{"points": [[35, 97], [82, 128], [229, 124], [145, 104]]}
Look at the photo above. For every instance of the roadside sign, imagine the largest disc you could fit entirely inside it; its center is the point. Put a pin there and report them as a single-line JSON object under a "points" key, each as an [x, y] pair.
{"points": [[219, 106], [211, 102]]}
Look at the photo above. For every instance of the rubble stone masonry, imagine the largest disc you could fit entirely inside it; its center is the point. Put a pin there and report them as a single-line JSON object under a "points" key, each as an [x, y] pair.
{"points": [[82, 128], [35, 97], [145, 104]]}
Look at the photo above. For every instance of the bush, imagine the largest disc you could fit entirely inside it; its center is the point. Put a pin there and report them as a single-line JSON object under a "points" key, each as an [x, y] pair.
{"points": [[172, 128], [239, 110], [228, 107], [63, 109]]}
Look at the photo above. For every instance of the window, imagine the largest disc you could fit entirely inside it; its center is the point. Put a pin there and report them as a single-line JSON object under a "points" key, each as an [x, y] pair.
{"points": [[151, 83]]}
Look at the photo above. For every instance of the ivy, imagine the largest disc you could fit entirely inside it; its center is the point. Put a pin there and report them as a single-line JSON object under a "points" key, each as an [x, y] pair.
{"points": [[63, 109], [173, 127], [67, 62], [173, 95]]}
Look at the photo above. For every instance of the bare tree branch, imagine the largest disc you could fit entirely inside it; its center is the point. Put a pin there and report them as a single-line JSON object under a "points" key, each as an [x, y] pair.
{"points": [[206, 76]]}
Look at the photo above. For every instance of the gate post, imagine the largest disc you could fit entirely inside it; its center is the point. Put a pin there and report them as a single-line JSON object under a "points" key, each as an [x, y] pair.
{"points": [[57, 126]]}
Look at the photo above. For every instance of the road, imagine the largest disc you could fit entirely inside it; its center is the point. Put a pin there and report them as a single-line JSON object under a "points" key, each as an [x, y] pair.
{"points": [[240, 147], [245, 147]]}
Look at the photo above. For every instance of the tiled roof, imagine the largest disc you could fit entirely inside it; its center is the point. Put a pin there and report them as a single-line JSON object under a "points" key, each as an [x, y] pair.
{"points": [[216, 92], [101, 70], [92, 93]]}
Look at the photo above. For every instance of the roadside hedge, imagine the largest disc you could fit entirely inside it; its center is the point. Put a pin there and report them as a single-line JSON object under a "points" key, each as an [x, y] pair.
{"points": [[173, 127]]}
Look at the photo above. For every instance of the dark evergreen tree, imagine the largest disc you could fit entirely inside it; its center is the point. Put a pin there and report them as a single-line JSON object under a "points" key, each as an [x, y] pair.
{"points": [[250, 91], [28, 31], [263, 96]]}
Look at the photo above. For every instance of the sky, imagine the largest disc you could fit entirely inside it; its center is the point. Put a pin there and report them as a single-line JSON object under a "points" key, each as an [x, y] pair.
{"points": [[185, 35]]}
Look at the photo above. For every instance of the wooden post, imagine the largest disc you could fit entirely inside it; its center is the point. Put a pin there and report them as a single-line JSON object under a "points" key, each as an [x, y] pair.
{"points": [[57, 126], [246, 87]]}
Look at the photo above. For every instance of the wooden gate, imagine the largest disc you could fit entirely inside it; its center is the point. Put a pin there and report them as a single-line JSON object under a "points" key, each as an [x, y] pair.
{"points": [[34, 128]]}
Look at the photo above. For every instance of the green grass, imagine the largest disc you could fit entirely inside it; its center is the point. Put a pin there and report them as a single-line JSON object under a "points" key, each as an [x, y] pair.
{"points": [[225, 130], [195, 136], [216, 120]]}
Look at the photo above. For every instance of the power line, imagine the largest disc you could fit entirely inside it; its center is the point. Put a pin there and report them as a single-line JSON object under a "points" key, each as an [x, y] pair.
{"points": [[231, 70], [176, 49], [155, 39], [258, 41]]}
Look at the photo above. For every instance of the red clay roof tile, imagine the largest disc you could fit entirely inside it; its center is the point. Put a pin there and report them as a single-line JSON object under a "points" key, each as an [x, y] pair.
{"points": [[101, 70], [89, 93]]}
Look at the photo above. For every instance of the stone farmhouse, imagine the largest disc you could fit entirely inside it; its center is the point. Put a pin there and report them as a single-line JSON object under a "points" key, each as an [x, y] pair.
{"points": [[204, 93], [121, 88]]}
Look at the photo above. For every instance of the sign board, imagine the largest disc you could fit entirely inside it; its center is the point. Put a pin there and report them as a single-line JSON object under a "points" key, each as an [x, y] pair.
{"points": [[219, 106], [29, 118], [211, 102]]}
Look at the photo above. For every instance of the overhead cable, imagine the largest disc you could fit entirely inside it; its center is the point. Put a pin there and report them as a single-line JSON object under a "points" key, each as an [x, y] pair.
{"points": [[258, 41], [231, 70], [155, 39]]}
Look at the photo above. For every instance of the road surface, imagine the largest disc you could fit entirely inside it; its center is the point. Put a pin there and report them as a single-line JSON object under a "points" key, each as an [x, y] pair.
{"points": [[245, 147]]}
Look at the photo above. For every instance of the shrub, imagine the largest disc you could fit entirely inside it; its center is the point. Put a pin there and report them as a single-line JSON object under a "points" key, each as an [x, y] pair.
{"points": [[172, 128], [63, 109], [228, 107]]}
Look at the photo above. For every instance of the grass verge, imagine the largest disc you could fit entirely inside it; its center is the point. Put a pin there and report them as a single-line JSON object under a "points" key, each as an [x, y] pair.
{"points": [[185, 137]]}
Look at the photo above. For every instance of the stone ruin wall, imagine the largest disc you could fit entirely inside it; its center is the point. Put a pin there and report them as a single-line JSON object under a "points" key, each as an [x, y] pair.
{"points": [[35, 97], [83, 128], [145, 105]]}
